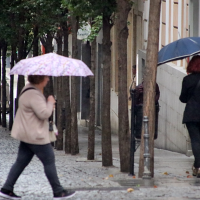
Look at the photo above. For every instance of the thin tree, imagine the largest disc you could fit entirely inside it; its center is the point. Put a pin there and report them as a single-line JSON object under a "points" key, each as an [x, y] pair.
{"points": [[150, 82], [74, 126], [1, 45], [91, 133], [4, 51], [96, 25], [105, 116], [59, 143], [11, 92], [66, 92], [123, 7]]}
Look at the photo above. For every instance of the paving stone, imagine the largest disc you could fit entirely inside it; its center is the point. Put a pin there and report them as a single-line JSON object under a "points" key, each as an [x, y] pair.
{"points": [[92, 181]]}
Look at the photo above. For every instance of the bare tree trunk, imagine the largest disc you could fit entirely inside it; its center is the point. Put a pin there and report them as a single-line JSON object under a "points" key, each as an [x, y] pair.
{"points": [[122, 34], [59, 143], [47, 43], [91, 133], [150, 82], [11, 91], [1, 46], [106, 127], [74, 126], [20, 82], [35, 41], [4, 50], [66, 92]]}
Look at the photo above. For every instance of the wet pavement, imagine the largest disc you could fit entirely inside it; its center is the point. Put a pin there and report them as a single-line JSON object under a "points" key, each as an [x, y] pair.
{"points": [[172, 181]]}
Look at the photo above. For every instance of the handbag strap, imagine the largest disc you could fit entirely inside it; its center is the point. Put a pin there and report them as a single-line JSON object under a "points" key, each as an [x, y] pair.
{"points": [[30, 88]]}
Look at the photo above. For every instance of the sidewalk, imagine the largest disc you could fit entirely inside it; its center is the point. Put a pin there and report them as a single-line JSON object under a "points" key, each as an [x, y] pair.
{"points": [[172, 181]]}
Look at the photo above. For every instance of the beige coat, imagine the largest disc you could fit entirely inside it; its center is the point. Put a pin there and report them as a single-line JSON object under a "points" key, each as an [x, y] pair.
{"points": [[31, 121]]}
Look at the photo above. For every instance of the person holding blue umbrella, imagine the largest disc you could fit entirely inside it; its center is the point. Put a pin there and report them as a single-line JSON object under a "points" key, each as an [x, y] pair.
{"points": [[190, 94]]}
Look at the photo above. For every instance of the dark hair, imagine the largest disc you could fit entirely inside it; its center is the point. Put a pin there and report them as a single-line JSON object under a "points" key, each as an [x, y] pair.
{"points": [[36, 79], [194, 65], [134, 66]]}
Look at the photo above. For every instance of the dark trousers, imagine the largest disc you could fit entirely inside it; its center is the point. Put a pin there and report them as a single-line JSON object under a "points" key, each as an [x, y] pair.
{"points": [[25, 154], [139, 121], [194, 132]]}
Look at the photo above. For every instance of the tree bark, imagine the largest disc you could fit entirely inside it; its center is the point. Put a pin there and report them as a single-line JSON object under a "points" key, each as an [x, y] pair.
{"points": [[1, 46], [20, 82], [47, 43], [150, 82], [91, 133], [66, 92], [74, 126], [59, 143], [35, 41], [11, 90], [4, 50], [106, 127], [123, 7]]}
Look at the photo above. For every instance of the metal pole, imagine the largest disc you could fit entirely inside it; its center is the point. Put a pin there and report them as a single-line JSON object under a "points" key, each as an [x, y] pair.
{"points": [[146, 173], [132, 145]]}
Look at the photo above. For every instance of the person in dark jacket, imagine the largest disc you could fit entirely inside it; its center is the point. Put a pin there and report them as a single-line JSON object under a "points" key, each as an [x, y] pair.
{"points": [[190, 95], [139, 110], [139, 94]]}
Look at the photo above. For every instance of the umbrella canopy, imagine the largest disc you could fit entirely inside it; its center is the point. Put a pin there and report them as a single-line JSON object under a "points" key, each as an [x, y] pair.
{"points": [[51, 64], [179, 49]]}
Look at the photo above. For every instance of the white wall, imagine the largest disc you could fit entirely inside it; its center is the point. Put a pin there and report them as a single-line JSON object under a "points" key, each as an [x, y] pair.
{"points": [[173, 134]]}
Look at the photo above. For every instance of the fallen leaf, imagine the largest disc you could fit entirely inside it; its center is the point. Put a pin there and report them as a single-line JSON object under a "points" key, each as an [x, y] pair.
{"points": [[111, 176], [189, 176], [165, 173], [155, 186], [130, 190], [106, 178], [187, 172], [134, 176], [138, 185]]}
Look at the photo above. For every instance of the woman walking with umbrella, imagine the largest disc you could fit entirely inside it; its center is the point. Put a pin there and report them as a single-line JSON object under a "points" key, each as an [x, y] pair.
{"points": [[190, 95], [31, 121]]}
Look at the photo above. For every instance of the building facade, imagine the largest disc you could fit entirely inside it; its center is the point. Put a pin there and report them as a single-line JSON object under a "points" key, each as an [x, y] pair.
{"points": [[179, 19]]}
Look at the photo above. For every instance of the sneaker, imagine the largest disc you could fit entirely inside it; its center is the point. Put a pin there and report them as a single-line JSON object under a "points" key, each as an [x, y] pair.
{"points": [[194, 171], [63, 195], [8, 194]]}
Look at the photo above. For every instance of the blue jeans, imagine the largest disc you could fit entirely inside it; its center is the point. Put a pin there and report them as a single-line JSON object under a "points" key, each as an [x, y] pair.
{"points": [[194, 132], [25, 154]]}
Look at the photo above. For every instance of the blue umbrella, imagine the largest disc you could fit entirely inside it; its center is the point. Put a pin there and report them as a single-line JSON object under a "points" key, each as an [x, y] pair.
{"points": [[179, 49]]}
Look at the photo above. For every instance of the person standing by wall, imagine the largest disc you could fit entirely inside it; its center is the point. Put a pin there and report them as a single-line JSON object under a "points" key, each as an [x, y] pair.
{"points": [[190, 94], [139, 110]]}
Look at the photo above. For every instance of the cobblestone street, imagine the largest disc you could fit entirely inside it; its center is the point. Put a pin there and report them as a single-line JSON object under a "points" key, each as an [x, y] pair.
{"points": [[92, 181]]}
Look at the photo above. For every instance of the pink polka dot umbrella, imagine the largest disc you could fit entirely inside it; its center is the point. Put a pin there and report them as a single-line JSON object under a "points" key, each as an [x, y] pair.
{"points": [[51, 64]]}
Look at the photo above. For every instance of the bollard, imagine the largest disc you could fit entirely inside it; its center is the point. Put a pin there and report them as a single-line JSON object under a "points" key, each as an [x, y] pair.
{"points": [[146, 173], [132, 145]]}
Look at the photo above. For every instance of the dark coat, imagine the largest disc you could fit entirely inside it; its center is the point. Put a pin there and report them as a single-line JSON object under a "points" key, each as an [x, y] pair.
{"points": [[191, 97], [139, 94]]}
